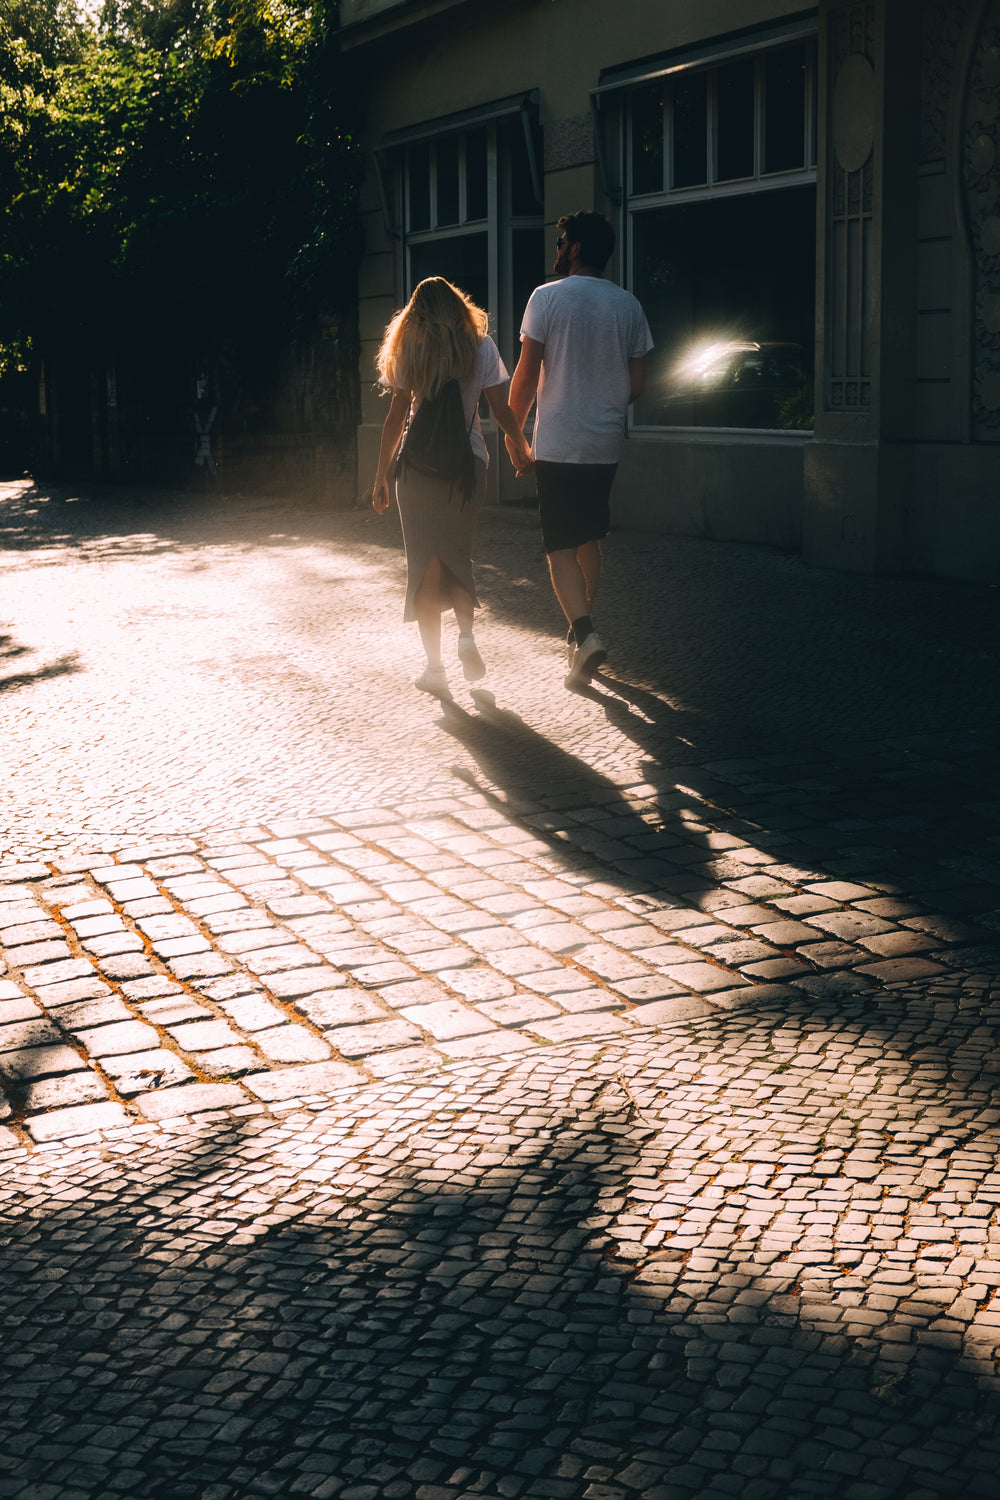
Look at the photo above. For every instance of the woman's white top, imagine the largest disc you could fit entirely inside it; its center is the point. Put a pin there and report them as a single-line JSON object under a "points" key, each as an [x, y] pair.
{"points": [[488, 370]]}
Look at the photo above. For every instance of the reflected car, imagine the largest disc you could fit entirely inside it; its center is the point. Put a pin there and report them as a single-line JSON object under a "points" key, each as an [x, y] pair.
{"points": [[741, 383]]}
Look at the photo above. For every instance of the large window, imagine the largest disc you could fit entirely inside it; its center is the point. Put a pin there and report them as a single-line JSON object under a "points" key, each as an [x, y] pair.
{"points": [[472, 213], [721, 202]]}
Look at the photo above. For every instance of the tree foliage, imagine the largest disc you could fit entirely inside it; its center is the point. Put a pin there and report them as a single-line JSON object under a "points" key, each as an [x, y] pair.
{"points": [[171, 169]]}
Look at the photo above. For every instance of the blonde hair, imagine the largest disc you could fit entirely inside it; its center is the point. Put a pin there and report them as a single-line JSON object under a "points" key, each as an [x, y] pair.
{"points": [[434, 339]]}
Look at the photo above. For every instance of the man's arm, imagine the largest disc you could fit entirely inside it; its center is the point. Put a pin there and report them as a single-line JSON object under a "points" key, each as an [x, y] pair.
{"points": [[524, 382], [637, 377]]}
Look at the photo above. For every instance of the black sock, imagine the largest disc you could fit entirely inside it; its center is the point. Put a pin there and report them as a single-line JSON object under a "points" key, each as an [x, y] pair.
{"points": [[582, 627]]}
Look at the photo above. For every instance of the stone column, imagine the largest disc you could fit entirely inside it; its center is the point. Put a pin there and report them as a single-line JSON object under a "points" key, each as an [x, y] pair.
{"points": [[857, 469]]}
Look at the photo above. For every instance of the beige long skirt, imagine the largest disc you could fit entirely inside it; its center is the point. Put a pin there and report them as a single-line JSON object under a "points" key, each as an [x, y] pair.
{"points": [[436, 523]]}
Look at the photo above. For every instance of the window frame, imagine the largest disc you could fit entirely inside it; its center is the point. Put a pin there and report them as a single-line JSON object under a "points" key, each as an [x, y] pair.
{"points": [[709, 61]]}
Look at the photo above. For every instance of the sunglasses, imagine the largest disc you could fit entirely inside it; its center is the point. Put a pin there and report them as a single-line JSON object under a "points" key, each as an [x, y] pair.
{"points": [[560, 242]]}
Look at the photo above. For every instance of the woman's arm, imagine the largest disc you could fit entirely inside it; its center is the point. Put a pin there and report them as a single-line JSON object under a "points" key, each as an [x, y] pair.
{"points": [[520, 453], [392, 431]]}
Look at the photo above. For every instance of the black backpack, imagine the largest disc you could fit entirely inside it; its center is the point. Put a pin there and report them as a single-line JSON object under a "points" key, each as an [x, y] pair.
{"points": [[437, 442]]}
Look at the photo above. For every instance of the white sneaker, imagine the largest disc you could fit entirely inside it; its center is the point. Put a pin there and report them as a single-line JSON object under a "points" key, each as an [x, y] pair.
{"points": [[433, 680], [468, 654], [586, 659], [570, 647]]}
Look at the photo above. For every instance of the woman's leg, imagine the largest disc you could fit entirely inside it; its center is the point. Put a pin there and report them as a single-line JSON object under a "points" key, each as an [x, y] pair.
{"points": [[465, 610], [427, 603]]}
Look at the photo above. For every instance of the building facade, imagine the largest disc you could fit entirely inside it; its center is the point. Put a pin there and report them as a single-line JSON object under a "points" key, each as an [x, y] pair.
{"points": [[807, 204]]}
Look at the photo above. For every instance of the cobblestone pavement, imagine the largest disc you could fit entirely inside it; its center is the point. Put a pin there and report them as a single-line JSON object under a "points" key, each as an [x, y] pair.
{"points": [[548, 1094]]}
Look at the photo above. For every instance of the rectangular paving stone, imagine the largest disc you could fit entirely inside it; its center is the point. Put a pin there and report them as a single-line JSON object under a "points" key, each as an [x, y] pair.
{"points": [[608, 962], [36, 953], [590, 999], [138, 1071], [849, 925], [669, 1011], [775, 968], [253, 1013], [520, 962], [899, 944], [21, 1009], [346, 1008], [403, 1061], [58, 973], [83, 1087], [18, 934], [40, 1062], [113, 943], [376, 1036], [117, 1038], [203, 1036], [226, 987], [496, 1043], [30, 1033], [896, 970], [85, 1119], [230, 1062], [446, 1019], [291, 1043], [840, 890], [275, 960], [296, 982], [477, 983], [568, 1028], [516, 1010], [415, 992], [259, 937], [167, 927], [98, 926], [648, 987], [170, 1009], [93, 1012], [295, 1083], [754, 994], [199, 965], [703, 978], [190, 1099], [150, 988], [66, 991]]}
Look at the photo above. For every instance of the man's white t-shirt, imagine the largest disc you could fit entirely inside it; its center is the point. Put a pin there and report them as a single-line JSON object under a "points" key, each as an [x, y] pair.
{"points": [[591, 329]]}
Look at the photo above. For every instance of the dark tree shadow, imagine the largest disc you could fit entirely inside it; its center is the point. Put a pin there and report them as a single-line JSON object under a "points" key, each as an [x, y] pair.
{"points": [[455, 1304], [10, 651]]}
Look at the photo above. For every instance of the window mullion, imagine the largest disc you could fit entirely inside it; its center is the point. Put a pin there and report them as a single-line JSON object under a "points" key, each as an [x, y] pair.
{"points": [[492, 226], [758, 118], [462, 181], [711, 132]]}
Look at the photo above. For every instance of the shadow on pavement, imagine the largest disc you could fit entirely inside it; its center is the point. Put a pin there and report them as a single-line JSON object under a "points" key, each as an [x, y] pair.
{"points": [[443, 1297], [10, 652]]}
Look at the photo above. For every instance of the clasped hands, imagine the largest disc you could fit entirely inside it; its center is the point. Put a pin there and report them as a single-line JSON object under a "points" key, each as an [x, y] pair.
{"points": [[522, 465]]}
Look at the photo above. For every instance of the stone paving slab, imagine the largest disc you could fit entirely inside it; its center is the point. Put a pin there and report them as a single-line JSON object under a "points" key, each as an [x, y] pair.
{"points": [[517, 939], [574, 1095], [756, 1254]]}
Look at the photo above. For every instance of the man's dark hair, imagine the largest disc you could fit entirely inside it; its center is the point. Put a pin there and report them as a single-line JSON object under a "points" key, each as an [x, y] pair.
{"points": [[592, 232]]}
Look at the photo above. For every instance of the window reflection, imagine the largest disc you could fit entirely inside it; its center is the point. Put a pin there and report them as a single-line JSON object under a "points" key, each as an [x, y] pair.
{"points": [[728, 287]]}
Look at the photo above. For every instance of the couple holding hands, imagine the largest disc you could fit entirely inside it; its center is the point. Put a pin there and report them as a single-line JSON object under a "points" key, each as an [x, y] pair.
{"points": [[584, 343]]}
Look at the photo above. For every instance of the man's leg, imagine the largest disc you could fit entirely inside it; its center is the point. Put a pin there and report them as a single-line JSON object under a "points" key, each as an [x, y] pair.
{"points": [[569, 580]]}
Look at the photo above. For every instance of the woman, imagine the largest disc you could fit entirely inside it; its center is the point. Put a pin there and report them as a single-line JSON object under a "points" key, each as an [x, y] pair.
{"points": [[440, 335]]}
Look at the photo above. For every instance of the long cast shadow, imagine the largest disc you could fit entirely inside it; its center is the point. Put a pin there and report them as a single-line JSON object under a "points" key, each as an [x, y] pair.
{"points": [[417, 1299]]}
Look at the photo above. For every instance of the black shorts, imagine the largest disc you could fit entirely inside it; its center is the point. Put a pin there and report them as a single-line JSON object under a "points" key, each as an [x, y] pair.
{"points": [[574, 503]]}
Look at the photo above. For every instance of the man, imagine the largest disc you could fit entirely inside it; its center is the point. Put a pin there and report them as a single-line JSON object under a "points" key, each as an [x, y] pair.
{"points": [[584, 343]]}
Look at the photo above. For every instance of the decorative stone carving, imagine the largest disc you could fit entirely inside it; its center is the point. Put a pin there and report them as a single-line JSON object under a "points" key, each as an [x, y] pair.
{"points": [[852, 50], [944, 23]]}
